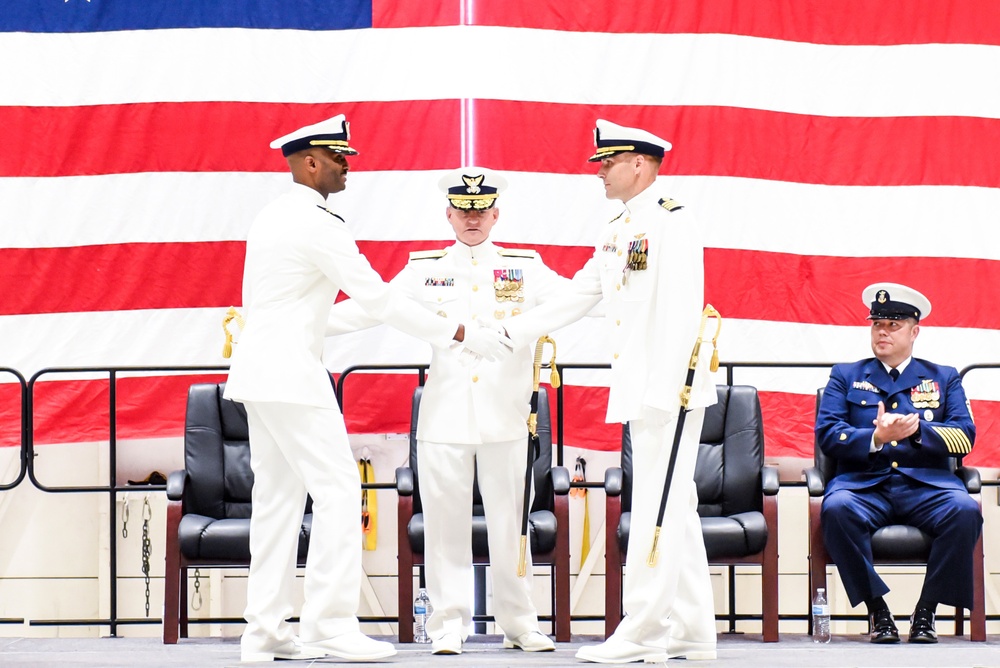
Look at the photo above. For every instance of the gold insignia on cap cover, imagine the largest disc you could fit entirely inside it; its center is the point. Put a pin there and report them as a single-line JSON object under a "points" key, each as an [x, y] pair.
{"points": [[472, 183]]}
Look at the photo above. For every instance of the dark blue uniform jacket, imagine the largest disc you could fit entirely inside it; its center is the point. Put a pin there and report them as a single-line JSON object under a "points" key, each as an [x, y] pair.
{"points": [[845, 423]]}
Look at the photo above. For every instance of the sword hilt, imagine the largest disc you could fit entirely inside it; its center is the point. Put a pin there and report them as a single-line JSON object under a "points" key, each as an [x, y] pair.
{"points": [[708, 312]]}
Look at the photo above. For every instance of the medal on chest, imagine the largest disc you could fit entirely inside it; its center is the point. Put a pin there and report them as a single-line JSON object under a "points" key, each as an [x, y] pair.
{"points": [[926, 395], [638, 256], [508, 285]]}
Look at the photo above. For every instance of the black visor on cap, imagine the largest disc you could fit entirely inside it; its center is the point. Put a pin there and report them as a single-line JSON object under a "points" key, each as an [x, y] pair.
{"points": [[892, 310]]}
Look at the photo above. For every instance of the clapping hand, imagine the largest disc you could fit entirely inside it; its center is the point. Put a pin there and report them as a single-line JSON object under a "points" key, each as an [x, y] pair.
{"points": [[894, 426]]}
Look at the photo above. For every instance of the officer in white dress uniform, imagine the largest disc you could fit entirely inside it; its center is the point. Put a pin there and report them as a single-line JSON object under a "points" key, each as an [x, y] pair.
{"points": [[648, 265], [472, 415], [298, 256]]}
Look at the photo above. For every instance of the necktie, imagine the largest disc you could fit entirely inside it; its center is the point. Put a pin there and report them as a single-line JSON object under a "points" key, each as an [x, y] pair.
{"points": [[894, 374]]}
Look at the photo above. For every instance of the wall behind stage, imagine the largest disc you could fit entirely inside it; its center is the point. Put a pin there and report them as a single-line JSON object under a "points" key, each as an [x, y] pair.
{"points": [[823, 146]]}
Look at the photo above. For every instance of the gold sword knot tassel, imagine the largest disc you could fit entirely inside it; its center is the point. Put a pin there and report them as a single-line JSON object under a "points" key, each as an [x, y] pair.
{"points": [[231, 314]]}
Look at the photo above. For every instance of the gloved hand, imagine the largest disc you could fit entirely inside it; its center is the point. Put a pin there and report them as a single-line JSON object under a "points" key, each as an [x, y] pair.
{"points": [[487, 343]]}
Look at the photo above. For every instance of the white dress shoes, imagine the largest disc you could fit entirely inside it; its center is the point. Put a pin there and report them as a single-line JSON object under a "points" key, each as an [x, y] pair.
{"points": [[292, 650], [619, 650], [530, 641], [692, 651], [355, 646], [449, 643]]}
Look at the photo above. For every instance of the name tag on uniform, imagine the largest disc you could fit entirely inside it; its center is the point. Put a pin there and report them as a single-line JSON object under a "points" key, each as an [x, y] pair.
{"points": [[864, 385]]}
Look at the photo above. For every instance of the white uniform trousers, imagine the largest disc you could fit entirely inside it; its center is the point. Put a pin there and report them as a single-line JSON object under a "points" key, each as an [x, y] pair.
{"points": [[675, 597], [445, 479], [295, 449]]}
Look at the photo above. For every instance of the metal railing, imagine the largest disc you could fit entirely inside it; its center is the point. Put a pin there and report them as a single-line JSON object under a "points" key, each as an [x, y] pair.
{"points": [[27, 456]]}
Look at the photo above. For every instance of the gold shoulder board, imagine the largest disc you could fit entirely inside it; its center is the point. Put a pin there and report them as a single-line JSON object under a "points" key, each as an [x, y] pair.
{"points": [[428, 254], [517, 252], [616, 217], [670, 204]]}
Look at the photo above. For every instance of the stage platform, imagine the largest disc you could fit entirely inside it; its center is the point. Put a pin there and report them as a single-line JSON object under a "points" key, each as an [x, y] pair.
{"points": [[735, 651]]}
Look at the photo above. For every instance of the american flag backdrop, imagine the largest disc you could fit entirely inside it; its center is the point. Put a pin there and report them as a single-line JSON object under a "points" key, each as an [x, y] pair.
{"points": [[823, 145]]}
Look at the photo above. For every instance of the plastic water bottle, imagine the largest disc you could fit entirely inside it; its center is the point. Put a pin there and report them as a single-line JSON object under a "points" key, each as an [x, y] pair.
{"points": [[821, 617], [421, 612]]}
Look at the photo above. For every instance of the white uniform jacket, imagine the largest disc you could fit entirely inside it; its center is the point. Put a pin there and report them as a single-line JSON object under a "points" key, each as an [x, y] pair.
{"points": [[464, 403], [298, 256], [654, 312]]}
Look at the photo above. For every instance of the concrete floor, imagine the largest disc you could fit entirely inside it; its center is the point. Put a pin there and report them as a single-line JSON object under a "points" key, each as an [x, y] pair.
{"points": [[735, 651]]}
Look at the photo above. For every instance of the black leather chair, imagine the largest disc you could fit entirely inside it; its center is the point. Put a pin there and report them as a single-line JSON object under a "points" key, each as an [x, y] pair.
{"points": [[548, 524], [208, 502], [893, 545], [737, 501]]}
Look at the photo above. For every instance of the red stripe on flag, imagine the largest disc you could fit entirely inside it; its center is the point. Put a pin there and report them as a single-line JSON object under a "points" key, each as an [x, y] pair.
{"points": [[722, 141], [122, 277], [198, 136], [117, 277], [826, 290], [751, 143], [986, 450], [789, 420], [817, 21], [395, 14], [782, 287], [153, 407], [77, 411], [10, 413]]}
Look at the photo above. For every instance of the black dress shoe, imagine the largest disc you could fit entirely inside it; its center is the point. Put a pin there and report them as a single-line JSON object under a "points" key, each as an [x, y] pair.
{"points": [[883, 629], [922, 626]]}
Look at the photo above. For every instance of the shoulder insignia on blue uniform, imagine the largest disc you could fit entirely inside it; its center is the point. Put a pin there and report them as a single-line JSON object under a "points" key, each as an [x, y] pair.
{"points": [[428, 254], [955, 440], [517, 252], [331, 213], [670, 204]]}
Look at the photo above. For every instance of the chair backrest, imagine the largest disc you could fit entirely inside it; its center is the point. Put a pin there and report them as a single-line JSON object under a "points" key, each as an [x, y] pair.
{"points": [[544, 495], [827, 466], [730, 456], [216, 454]]}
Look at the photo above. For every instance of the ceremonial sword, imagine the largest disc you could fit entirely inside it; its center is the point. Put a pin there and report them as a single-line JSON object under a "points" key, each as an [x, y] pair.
{"points": [[708, 312], [522, 562]]}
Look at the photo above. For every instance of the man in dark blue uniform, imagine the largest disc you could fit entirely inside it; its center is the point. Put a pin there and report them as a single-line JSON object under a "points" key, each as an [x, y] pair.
{"points": [[892, 423]]}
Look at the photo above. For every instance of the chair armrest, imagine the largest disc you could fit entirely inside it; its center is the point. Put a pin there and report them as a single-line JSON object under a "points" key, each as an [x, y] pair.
{"points": [[814, 481], [769, 480], [404, 481], [613, 481], [560, 480], [970, 478], [175, 485]]}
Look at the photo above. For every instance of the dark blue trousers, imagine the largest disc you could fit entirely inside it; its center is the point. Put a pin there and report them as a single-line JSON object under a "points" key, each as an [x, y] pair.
{"points": [[951, 516]]}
